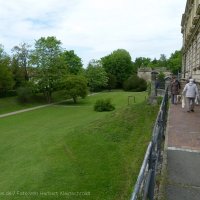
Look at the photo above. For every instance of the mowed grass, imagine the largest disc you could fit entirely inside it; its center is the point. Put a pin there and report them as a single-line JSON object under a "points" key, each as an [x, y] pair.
{"points": [[72, 152], [11, 104]]}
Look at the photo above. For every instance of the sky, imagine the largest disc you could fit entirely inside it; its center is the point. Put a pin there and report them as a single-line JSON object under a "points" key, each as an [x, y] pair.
{"points": [[95, 28]]}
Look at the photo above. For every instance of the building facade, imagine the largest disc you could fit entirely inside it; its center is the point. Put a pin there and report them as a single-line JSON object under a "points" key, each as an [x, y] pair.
{"points": [[191, 40]]}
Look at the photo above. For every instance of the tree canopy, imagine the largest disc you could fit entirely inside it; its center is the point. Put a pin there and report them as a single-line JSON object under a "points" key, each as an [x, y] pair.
{"points": [[96, 76], [43, 67], [75, 86], [72, 61], [51, 67], [21, 54], [119, 64], [6, 77], [175, 62]]}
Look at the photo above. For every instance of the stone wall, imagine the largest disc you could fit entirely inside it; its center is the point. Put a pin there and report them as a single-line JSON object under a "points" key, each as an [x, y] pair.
{"points": [[145, 72]]}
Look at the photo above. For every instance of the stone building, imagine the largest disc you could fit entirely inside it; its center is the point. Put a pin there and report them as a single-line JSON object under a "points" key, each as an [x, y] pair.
{"points": [[191, 40]]}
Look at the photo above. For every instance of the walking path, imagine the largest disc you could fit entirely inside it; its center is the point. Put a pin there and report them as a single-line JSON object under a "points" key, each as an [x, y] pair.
{"points": [[183, 154], [30, 109], [24, 110], [38, 107]]}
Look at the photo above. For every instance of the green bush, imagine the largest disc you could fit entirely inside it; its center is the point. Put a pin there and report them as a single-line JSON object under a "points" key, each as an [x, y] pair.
{"points": [[135, 84], [24, 94], [103, 105], [159, 100]]}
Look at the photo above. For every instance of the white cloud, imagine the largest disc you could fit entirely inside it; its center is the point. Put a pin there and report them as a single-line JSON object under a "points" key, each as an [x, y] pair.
{"points": [[94, 28]]}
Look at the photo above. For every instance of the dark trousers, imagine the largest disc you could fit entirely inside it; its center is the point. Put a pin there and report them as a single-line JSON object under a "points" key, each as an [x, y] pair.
{"points": [[173, 98], [190, 103]]}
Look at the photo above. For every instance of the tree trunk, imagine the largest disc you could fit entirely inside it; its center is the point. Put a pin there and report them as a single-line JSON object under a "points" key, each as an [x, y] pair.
{"points": [[74, 99]]}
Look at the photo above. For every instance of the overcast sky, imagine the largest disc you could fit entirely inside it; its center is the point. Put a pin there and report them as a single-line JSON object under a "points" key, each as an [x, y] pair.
{"points": [[95, 28]]}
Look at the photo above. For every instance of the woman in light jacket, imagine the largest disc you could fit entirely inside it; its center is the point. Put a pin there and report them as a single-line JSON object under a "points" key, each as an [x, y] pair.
{"points": [[191, 92]]}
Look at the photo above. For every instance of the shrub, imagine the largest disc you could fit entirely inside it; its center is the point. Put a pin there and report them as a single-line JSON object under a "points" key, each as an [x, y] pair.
{"points": [[24, 94], [135, 84], [103, 105], [11, 93], [8, 93]]}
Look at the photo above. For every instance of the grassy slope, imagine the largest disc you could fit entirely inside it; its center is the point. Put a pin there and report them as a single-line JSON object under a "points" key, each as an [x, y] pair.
{"points": [[75, 149]]}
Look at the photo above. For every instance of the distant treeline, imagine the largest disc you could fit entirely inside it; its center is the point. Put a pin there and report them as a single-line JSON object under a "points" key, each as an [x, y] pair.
{"points": [[47, 67]]}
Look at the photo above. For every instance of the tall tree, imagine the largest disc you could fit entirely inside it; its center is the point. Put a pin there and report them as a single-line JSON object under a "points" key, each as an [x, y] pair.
{"points": [[21, 54], [112, 81], [119, 64], [175, 62], [73, 62], [6, 79], [47, 58], [18, 73], [141, 62], [96, 76], [163, 60]]}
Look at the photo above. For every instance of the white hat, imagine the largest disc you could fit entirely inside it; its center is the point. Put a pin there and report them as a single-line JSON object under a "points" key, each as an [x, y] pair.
{"points": [[191, 80]]}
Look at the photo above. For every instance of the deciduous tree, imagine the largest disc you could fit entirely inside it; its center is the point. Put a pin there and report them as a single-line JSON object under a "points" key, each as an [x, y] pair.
{"points": [[21, 54], [96, 76], [175, 62], [119, 64], [73, 62], [75, 86], [6, 79], [51, 67]]}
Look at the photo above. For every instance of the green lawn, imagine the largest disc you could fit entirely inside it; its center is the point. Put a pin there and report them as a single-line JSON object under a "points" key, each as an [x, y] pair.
{"points": [[10, 104], [50, 152]]}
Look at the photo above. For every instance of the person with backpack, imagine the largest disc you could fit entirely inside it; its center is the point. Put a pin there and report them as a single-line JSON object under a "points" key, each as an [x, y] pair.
{"points": [[191, 92]]}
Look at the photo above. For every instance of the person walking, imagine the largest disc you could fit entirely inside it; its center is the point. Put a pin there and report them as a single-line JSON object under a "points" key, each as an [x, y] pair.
{"points": [[191, 92], [175, 89]]}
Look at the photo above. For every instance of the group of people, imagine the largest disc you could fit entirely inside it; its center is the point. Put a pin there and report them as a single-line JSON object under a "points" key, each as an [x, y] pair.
{"points": [[189, 93]]}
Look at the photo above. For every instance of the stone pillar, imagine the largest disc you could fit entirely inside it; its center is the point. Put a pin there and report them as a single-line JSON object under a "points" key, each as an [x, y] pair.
{"points": [[152, 98], [167, 84]]}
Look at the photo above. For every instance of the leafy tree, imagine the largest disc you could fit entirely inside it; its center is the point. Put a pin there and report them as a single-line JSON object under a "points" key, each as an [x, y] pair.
{"points": [[6, 79], [154, 63], [73, 62], [18, 73], [51, 67], [175, 62], [119, 64], [112, 81], [75, 86], [141, 62], [96, 76], [21, 55], [163, 60]]}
